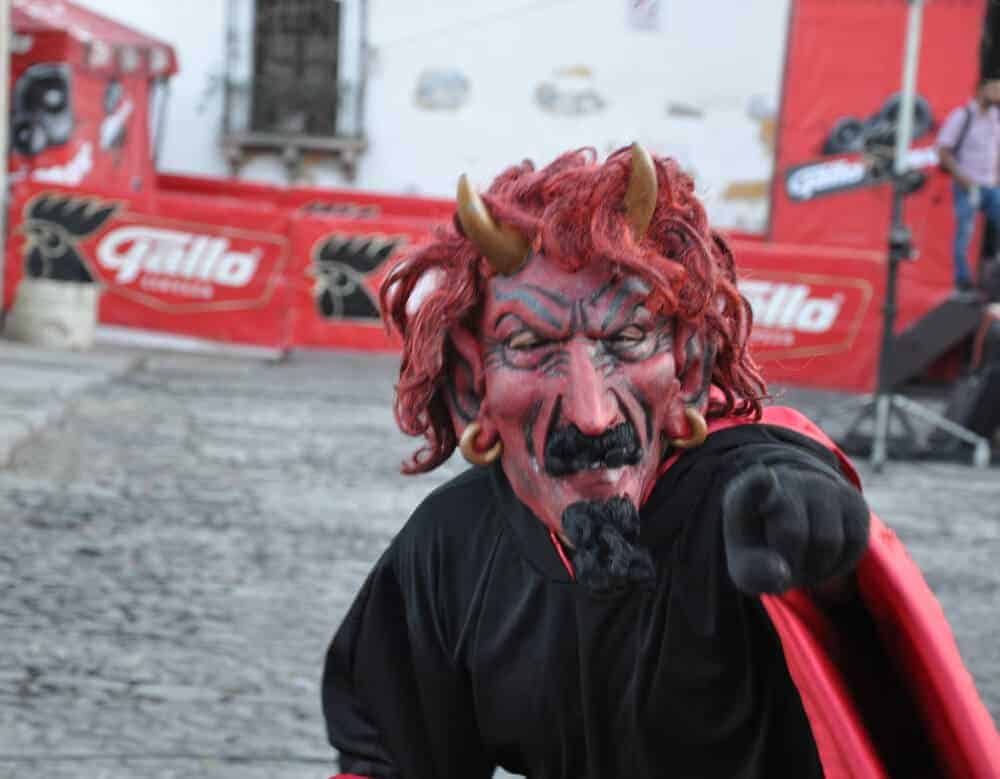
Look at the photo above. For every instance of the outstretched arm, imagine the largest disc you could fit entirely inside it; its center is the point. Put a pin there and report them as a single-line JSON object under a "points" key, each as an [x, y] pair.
{"points": [[791, 520]]}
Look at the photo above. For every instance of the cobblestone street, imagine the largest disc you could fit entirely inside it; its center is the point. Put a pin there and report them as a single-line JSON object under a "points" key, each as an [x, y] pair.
{"points": [[180, 545]]}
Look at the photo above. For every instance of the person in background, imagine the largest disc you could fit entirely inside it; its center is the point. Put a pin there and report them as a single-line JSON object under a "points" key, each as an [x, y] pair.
{"points": [[969, 149]]}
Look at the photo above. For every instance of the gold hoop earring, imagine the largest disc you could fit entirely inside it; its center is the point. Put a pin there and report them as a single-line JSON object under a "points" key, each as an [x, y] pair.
{"points": [[699, 430], [467, 445]]}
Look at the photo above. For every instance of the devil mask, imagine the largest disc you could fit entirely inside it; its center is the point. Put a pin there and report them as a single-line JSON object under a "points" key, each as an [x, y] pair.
{"points": [[571, 323]]}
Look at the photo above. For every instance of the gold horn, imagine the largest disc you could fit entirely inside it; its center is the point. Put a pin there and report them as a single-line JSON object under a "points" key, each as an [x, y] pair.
{"points": [[504, 248], [640, 197]]}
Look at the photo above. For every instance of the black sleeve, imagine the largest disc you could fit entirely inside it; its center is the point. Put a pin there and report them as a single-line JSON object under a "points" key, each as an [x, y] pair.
{"points": [[396, 699], [346, 705]]}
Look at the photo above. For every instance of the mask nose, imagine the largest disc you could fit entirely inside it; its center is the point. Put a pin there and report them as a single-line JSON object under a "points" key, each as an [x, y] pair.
{"points": [[588, 402]]}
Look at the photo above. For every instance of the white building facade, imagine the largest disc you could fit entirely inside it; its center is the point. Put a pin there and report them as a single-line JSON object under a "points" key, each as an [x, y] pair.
{"points": [[453, 86]]}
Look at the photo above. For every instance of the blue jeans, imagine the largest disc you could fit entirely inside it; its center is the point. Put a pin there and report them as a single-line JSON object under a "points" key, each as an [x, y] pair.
{"points": [[965, 223]]}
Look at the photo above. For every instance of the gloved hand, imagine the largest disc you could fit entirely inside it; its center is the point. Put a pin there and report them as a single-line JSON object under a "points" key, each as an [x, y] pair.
{"points": [[786, 526]]}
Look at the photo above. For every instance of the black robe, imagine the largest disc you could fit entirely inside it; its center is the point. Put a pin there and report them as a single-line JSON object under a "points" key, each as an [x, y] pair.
{"points": [[470, 646]]}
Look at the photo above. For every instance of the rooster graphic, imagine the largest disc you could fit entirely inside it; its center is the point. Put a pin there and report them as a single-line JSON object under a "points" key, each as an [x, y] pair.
{"points": [[53, 224], [340, 265]]}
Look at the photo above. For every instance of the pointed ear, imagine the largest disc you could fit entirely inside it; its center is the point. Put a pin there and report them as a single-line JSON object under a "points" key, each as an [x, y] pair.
{"points": [[464, 390], [695, 362]]}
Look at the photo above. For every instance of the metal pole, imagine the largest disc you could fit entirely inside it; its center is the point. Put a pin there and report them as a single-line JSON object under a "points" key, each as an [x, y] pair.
{"points": [[163, 102], [911, 58], [899, 233], [5, 37]]}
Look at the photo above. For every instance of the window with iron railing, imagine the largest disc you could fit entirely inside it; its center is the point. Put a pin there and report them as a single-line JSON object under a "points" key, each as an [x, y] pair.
{"points": [[294, 81]]}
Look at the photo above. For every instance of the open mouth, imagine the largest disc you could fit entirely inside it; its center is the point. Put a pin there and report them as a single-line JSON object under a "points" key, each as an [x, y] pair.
{"points": [[597, 481]]}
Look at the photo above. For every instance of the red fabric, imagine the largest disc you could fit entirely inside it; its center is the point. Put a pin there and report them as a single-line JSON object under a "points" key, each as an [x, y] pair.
{"points": [[562, 555], [276, 306], [343, 203], [241, 298], [817, 312], [916, 636], [843, 743]]}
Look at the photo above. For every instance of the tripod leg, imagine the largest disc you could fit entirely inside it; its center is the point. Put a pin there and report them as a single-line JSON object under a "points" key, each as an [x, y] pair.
{"points": [[912, 441], [880, 436]]}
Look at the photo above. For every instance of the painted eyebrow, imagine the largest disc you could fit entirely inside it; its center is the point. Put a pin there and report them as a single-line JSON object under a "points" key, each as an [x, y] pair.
{"points": [[608, 285], [534, 304], [629, 287], [554, 297]]}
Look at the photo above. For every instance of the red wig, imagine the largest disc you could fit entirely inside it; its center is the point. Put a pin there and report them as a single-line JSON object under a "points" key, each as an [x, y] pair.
{"points": [[572, 212]]}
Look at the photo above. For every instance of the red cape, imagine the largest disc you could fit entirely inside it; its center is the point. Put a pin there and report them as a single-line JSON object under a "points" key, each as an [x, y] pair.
{"points": [[915, 635]]}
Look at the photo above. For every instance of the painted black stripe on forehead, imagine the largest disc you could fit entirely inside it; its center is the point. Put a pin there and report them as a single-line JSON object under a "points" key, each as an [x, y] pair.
{"points": [[605, 288], [560, 300], [629, 286], [525, 297]]}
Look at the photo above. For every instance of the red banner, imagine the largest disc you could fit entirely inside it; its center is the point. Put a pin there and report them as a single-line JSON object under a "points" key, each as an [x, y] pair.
{"points": [[200, 269], [837, 130], [817, 312], [334, 280], [235, 270]]}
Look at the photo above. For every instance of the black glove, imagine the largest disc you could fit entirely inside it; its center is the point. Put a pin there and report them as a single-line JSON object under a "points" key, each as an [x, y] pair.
{"points": [[786, 526]]}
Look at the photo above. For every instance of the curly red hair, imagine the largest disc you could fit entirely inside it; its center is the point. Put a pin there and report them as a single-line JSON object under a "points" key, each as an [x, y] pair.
{"points": [[572, 212]]}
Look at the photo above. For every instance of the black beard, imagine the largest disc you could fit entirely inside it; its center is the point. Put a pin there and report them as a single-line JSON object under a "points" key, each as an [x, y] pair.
{"points": [[568, 450], [605, 538]]}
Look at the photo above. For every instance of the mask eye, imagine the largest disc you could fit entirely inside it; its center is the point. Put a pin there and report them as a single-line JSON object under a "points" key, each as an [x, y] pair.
{"points": [[628, 336], [632, 343], [525, 340]]}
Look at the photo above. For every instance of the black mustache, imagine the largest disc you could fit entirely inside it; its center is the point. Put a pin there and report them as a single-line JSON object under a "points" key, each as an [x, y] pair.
{"points": [[568, 450]]}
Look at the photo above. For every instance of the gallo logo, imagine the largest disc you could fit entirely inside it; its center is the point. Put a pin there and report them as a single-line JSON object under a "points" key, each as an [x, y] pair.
{"points": [[798, 315], [790, 306], [176, 266], [130, 251], [814, 179], [805, 182]]}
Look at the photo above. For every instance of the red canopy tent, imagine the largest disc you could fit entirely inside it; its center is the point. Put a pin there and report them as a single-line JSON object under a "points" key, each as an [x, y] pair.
{"points": [[81, 88], [75, 35]]}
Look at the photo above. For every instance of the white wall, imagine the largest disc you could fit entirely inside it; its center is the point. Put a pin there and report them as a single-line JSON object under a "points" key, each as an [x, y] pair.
{"points": [[713, 55]]}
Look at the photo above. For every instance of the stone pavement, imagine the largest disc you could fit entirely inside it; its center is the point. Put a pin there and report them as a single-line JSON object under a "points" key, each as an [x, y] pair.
{"points": [[36, 386], [183, 535]]}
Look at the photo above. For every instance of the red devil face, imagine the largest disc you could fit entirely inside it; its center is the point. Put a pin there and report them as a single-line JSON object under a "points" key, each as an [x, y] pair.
{"points": [[579, 381]]}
